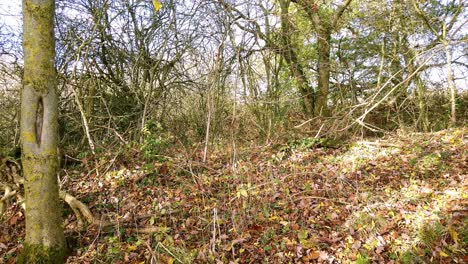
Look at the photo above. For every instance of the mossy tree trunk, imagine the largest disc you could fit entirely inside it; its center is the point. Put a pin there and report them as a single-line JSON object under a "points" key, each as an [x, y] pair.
{"points": [[289, 53], [45, 241], [323, 40], [325, 22]]}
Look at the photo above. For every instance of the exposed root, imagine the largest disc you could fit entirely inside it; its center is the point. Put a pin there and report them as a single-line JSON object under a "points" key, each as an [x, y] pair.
{"points": [[11, 184], [82, 212]]}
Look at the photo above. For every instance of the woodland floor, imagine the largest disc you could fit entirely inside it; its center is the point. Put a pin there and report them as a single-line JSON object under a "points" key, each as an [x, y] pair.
{"points": [[397, 199]]}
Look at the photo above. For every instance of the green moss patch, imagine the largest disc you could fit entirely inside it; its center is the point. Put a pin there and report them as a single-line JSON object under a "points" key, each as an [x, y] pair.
{"points": [[39, 254]]}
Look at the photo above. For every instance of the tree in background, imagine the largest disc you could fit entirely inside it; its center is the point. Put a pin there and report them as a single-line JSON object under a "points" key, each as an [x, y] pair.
{"points": [[325, 21], [443, 21], [125, 65], [45, 240]]}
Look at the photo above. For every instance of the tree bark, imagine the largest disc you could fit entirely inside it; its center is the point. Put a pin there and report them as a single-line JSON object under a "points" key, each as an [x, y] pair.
{"points": [[290, 55], [423, 119], [451, 84], [45, 240], [324, 25], [324, 37], [410, 54]]}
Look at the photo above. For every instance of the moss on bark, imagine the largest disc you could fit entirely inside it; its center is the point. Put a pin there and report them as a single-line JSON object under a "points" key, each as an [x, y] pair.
{"points": [[45, 240], [38, 254]]}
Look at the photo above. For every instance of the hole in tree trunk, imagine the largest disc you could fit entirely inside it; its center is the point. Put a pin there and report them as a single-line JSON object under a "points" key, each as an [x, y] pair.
{"points": [[39, 120]]}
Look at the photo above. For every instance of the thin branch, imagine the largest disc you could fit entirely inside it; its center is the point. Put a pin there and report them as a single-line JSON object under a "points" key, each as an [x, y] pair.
{"points": [[340, 12]]}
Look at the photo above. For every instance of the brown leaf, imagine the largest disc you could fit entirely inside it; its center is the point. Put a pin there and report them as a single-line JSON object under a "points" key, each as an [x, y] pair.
{"points": [[237, 241], [379, 250], [295, 226], [11, 261], [352, 256], [14, 220], [356, 245], [255, 228], [323, 255], [312, 256], [164, 169]]}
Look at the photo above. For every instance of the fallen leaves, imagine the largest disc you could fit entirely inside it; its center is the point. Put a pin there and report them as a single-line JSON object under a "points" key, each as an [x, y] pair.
{"points": [[366, 202]]}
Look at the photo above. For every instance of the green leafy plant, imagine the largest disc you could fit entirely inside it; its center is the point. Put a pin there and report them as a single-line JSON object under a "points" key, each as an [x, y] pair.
{"points": [[155, 142], [363, 259], [431, 233], [267, 236], [114, 249], [304, 143], [409, 257]]}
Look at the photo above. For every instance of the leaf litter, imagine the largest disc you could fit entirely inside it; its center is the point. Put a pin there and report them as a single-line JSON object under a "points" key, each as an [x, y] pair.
{"points": [[396, 199]]}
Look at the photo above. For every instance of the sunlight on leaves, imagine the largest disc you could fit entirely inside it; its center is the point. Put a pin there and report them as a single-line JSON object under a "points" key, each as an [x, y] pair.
{"points": [[157, 5]]}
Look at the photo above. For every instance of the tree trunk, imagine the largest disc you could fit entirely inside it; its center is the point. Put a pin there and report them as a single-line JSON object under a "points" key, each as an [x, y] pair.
{"points": [[45, 240], [423, 119], [290, 55], [451, 84], [324, 37], [410, 54], [324, 25]]}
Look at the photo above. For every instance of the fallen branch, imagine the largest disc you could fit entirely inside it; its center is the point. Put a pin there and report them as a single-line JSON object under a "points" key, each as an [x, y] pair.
{"points": [[378, 144], [318, 198], [147, 229]]}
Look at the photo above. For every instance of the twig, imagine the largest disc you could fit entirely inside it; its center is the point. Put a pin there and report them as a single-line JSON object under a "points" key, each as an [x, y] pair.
{"points": [[305, 122], [146, 230], [111, 164], [97, 236], [319, 198], [320, 130], [215, 217], [378, 144], [170, 253], [153, 254]]}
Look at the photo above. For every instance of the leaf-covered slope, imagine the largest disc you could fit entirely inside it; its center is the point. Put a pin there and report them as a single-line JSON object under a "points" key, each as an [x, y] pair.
{"points": [[401, 199]]}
